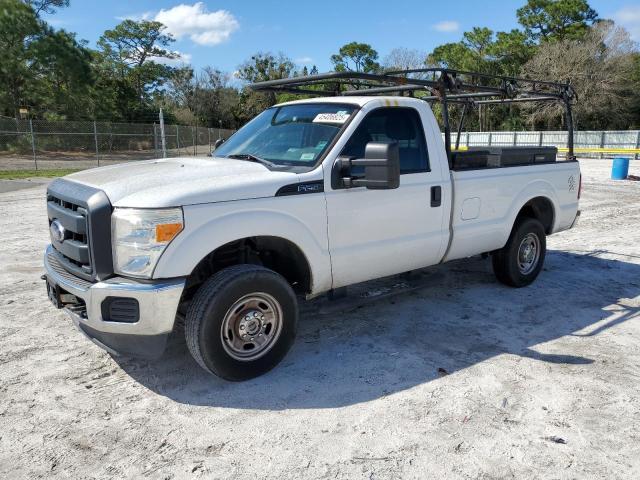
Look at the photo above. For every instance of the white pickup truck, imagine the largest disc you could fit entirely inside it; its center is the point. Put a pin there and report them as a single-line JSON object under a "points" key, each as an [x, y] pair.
{"points": [[310, 196]]}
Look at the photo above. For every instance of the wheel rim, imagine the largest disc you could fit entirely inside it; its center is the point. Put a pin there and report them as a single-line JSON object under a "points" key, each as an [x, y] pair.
{"points": [[251, 326], [528, 253]]}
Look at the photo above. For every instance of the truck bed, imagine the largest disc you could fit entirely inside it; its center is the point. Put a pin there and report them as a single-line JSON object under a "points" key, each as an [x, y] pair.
{"points": [[486, 202]]}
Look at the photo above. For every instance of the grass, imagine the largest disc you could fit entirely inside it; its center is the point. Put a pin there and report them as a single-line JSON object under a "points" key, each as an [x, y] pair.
{"points": [[18, 174]]}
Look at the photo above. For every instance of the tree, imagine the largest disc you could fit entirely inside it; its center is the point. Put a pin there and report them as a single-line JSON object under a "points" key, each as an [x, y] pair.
{"points": [[556, 19], [46, 6], [265, 66], [307, 71], [511, 50], [482, 50], [472, 53], [43, 69], [258, 68], [64, 74], [129, 57], [203, 98], [634, 107], [356, 57], [404, 59], [452, 55], [479, 41], [19, 28], [599, 67], [132, 43]]}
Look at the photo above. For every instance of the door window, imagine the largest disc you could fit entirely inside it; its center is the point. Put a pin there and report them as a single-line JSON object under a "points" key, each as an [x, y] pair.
{"points": [[393, 124]]}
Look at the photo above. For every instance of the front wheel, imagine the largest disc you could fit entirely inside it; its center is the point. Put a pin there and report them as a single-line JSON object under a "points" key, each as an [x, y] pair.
{"points": [[519, 262], [241, 322]]}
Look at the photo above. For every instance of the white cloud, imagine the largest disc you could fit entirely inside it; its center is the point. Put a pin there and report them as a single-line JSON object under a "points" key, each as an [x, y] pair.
{"points": [[182, 58], [447, 26], [196, 22], [629, 17], [303, 60]]}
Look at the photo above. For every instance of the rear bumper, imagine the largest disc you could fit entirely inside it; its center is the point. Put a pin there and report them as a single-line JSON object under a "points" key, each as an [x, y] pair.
{"points": [[157, 302]]}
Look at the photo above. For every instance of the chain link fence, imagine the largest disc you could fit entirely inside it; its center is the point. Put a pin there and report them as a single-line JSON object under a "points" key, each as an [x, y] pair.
{"points": [[42, 144]]}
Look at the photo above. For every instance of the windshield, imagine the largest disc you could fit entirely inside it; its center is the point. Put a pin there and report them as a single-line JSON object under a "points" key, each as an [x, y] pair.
{"points": [[292, 135]]}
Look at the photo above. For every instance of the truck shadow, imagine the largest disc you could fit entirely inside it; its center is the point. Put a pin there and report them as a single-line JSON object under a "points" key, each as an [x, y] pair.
{"points": [[393, 334]]}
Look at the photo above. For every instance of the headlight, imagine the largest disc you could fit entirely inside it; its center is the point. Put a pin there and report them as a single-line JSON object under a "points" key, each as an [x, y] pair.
{"points": [[140, 236]]}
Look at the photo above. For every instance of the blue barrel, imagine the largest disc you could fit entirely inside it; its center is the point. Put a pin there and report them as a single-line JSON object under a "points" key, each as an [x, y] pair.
{"points": [[620, 168]]}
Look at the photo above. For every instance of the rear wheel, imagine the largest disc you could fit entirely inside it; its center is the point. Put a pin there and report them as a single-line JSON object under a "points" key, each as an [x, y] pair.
{"points": [[519, 262], [241, 322]]}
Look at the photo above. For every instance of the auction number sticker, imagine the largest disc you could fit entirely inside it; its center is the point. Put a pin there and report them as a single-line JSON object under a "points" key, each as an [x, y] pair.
{"points": [[338, 117]]}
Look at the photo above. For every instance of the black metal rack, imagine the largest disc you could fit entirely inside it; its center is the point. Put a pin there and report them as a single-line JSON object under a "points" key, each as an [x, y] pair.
{"points": [[441, 85]]}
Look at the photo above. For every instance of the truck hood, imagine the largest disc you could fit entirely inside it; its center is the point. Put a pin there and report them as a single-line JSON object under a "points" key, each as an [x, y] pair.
{"points": [[183, 181]]}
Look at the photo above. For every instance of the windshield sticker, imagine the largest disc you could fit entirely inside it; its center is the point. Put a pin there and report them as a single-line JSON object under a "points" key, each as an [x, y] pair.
{"points": [[338, 117], [321, 144], [307, 156]]}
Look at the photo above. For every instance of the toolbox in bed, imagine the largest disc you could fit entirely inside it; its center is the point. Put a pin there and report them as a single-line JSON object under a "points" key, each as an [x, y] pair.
{"points": [[496, 157]]}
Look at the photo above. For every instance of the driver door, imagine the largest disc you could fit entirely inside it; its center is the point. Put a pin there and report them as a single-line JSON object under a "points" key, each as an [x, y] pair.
{"points": [[375, 233]]}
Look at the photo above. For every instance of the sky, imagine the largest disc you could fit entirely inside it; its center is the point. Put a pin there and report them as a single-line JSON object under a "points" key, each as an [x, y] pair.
{"points": [[222, 34]]}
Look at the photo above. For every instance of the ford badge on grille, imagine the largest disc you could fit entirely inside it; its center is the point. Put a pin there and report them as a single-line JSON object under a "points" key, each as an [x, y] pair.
{"points": [[57, 231]]}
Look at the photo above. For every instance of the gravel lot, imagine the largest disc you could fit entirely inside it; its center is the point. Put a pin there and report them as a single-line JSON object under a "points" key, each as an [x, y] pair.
{"points": [[444, 375]]}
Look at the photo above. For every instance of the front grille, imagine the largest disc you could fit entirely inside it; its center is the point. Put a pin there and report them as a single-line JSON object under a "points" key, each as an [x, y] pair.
{"points": [[56, 265], [74, 247], [83, 225]]}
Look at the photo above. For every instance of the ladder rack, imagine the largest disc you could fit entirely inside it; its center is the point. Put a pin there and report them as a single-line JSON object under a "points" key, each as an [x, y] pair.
{"points": [[441, 85]]}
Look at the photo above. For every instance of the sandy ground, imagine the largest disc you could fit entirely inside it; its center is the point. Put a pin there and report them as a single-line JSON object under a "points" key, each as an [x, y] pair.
{"points": [[445, 375]]}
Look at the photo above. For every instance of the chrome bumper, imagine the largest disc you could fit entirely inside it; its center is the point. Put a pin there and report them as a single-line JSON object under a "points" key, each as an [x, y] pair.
{"points": [[158, 303]]}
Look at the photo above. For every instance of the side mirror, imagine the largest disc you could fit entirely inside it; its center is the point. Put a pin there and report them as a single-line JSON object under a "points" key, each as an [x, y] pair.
{"points": [[219, 142], [381, 164]]}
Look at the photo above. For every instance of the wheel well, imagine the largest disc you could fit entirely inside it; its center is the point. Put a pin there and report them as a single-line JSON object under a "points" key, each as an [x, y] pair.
{"points": [[275, 253], [541, 209]]}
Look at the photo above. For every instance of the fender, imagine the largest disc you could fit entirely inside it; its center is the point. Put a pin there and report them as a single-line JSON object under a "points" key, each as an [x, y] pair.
{"points": [[209, 226], [534, 189]]}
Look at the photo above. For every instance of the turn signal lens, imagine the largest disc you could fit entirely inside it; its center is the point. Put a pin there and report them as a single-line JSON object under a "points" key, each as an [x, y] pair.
{"points": [[167, 231]]}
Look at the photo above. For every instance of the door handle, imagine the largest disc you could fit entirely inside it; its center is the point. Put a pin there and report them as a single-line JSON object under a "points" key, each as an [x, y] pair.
{"points": [[436, 196]]}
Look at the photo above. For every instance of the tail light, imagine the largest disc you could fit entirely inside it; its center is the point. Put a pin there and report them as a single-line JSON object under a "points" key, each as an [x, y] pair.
{"points": [[580, 186]]}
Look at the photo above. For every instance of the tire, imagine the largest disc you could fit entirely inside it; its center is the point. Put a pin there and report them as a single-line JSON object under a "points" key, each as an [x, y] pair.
{"points": [[516, 266], [237, 307]]}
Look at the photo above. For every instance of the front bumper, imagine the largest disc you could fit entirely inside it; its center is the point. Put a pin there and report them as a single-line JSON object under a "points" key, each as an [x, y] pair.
{"points": [[157, 300]]}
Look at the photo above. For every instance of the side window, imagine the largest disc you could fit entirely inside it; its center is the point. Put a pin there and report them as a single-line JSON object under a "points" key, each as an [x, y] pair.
{"points": [[393, 124]]}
